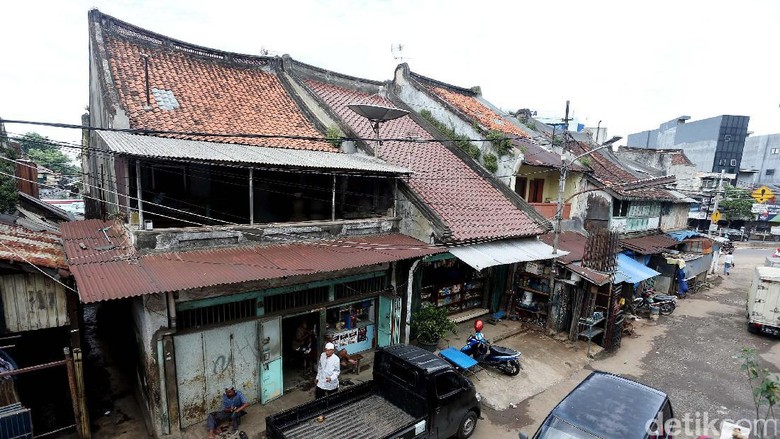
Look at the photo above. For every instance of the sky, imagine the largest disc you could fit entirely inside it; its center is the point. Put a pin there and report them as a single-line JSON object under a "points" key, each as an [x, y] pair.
{"points": [[631, 65]]}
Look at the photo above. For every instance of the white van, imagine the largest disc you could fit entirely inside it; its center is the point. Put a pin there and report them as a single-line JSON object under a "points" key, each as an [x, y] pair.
{"points": [[763, 301]]}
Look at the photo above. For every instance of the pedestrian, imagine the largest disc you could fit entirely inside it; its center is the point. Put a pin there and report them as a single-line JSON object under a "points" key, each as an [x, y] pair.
{"points": [[328, 369], [233, 405], [728, 262]]}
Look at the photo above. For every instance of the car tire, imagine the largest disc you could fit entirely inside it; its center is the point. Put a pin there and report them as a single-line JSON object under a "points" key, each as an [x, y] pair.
{"points": [[666, 309], [752, 329], [467, 425]]}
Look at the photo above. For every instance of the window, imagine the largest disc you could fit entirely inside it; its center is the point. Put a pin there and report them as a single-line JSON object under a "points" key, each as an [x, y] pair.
{"points": [[774, 151], [447, 383], [620, 208], [536, 190], [733, 162], [770, 172], [214, 314], [521, 187], [727, 138]]}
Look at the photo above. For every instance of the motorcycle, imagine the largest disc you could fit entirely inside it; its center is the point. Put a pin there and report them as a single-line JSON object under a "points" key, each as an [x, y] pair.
{"points": [[665, 302], [504, 359]]}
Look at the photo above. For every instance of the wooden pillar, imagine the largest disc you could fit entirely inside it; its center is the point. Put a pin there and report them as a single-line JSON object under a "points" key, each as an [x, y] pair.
{"points": [[251, 196], [138, 192]]}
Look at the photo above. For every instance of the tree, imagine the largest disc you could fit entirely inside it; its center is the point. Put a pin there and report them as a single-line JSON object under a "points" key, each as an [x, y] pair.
{"points": [[737, 204], [9, 195], [44, 152], [765, 389]]}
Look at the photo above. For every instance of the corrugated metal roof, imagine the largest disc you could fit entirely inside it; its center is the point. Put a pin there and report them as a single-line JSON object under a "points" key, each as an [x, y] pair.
{"points": [[43, 249], [489, 254], [117, 273], [632, 271], [649, 245], [593, 276], [181, 149]]}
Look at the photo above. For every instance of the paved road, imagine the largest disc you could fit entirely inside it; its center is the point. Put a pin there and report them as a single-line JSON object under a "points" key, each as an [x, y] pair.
{"points": [[692, 355]]}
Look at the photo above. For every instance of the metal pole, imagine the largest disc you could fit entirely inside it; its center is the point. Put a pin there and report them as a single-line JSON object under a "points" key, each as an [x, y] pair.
{"points": [[251, 196], [138, 194], [333, 200], [598, 131]]}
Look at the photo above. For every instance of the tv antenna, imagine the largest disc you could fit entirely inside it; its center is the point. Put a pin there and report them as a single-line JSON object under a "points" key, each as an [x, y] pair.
{"points": [[397, 51]]}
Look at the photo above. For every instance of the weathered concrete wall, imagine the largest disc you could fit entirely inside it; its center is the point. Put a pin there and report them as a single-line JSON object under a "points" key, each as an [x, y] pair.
{"points": [[150, 316], [762, 153], [413, 222], [209, 237], [676, 218], [418, 101]]}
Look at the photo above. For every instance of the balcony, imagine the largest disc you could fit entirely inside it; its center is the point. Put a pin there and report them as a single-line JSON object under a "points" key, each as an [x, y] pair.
{"points": [[548, 209]]}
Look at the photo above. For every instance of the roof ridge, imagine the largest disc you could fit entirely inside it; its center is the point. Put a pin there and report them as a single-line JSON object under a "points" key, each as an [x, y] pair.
{"points": [[432, 81], [122, 28], [295, 63]]}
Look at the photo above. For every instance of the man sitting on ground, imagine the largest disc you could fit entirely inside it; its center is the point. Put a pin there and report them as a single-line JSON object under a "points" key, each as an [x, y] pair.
{"points": [[233, 405]]}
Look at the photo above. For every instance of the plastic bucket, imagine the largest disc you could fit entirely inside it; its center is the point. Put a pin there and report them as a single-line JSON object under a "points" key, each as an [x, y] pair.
{"points": [[654, 312]]}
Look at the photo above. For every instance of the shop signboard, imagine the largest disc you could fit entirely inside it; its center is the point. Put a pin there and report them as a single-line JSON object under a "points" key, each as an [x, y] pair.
{"points": [[775, 230], [771, 209]]}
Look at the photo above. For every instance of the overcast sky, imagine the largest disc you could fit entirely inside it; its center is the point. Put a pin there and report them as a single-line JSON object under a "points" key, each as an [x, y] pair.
{"points": [[630, 64]]}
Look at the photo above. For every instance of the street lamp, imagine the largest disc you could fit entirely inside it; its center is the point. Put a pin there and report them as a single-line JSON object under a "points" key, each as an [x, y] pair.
{"points": [[376, 115]]}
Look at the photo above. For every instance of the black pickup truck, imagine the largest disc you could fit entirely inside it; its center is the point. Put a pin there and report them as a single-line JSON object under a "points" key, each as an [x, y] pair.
{"points": [[413, 394]]}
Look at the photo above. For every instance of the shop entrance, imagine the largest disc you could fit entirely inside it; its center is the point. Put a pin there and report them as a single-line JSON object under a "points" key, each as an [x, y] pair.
{"points": [[300, 350]]}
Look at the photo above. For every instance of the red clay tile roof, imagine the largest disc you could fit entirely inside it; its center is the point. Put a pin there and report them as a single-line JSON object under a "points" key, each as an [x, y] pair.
{"points": [[679, 158], [103, 276], [43, 249], [610, 173], [214, 94], [469, 205], [470, 106]]}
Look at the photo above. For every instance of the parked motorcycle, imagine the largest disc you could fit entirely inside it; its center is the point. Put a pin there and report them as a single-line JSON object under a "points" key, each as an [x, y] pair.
{"points": [[665, 302], [504, 359]]}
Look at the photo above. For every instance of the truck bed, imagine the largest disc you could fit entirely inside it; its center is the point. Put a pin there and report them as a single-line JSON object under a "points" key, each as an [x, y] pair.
{"points": [[370, 418]]}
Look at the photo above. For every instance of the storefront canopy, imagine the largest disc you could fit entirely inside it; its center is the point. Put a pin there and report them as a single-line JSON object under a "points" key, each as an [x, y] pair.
{"points": [[489, 254], [632, 271]]}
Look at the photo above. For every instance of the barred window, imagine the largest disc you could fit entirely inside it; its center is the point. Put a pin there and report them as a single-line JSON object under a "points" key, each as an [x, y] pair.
{"points": [[214, 314]]}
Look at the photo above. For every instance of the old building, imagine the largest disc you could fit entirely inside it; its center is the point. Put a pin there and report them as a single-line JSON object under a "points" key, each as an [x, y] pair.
{"points": [[243, 213]]}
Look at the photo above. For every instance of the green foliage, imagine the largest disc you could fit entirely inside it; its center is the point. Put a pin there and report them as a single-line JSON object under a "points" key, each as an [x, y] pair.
{"points": [[35, 141], [491, 162], [500, 142], [459, 140], [334, 136], [430, 323], [44, 152], [764, 386], [557, 140], [585, 161], [9, 195], [737, 204]]}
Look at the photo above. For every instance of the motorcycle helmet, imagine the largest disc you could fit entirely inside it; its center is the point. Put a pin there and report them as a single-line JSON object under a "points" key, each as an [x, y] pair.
{"points": [[478, 325]]}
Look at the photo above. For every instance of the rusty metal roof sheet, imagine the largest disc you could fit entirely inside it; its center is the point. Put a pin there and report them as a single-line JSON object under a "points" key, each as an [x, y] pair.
{"points": [[593, 276], [572, 242], [649, 245], [43, 249], [111, 274]]}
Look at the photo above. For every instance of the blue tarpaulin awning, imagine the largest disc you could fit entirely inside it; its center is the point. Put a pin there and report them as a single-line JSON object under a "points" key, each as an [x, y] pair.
{"points": [[631, 271], [681, 235]]}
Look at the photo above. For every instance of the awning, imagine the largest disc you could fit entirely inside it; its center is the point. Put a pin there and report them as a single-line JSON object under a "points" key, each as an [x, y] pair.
{"points": [[631, 271], [489, 254]]}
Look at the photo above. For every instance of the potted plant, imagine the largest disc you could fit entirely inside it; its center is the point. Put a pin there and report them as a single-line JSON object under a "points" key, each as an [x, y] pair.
{"points": [[430, 323]]}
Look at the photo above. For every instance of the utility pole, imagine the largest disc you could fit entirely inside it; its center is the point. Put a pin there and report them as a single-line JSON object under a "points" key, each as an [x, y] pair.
{"points": [[558, 218], [717, 198]]}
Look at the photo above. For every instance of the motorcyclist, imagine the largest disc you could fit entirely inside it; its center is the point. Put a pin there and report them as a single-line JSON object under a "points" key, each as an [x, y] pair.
{"points": [[484, 343]]}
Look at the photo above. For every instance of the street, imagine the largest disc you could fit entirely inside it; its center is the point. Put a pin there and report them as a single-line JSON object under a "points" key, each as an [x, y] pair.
{"points": [[691, 355]]}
